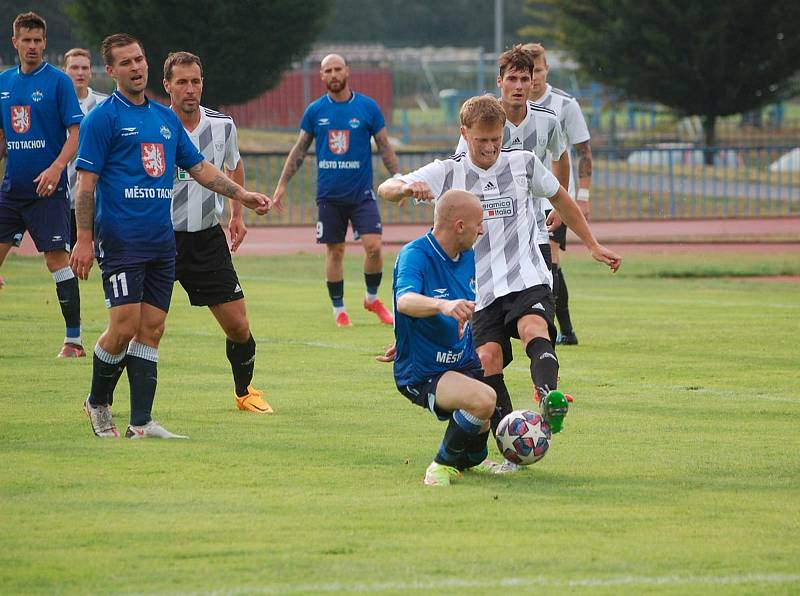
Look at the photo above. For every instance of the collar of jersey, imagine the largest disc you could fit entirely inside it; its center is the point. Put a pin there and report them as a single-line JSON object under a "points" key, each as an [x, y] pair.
{"points": [[127, 103], [438, 248], [40, 68], [491, 170], [341, 103]]}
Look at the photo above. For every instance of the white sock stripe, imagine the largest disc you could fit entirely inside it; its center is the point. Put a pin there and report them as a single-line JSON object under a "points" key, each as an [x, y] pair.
{"points": [[473, 419], [142, 351], [106, 357], [63, 274]]}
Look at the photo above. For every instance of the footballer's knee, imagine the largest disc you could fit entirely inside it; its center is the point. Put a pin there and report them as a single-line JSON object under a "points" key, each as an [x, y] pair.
{"points": [[56, 259], [491, 356], [238, 331], [335, 252], [482, 402]]}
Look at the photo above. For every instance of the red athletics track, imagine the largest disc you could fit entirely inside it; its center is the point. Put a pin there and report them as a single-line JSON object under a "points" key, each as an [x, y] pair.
{"points": [[708, 235]]}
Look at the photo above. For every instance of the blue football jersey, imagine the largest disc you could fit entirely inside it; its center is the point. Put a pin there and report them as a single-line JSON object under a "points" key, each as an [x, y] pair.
{"points": [[37, 109], [430, 346], [134, 149], [342, 133]]}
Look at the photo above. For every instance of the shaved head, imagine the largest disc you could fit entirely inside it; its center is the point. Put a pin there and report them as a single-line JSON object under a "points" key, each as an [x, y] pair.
{"points": [[332, 59], [454, 205]]}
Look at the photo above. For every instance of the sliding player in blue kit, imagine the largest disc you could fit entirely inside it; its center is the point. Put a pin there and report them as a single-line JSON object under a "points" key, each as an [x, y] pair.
{"points": [[436, 366]]}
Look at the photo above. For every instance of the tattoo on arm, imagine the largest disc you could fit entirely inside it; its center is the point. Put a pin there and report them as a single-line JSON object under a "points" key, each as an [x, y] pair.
{"points": [[388, 155], [296, 157], [584, 152], [222, 185], [84, 210]]}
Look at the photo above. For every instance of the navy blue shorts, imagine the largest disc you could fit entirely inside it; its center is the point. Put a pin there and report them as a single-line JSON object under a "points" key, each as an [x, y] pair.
{"points": [[423, 394], [133, 282], [45, 219], [333, 218]]}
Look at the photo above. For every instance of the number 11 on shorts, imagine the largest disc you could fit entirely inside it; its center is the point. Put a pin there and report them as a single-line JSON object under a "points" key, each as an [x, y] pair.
{"points": [[123, 284]]}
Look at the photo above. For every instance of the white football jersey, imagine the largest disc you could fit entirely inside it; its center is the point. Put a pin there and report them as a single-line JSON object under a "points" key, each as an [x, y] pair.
{"points": [[540, 133], [571, 119], [194, 207], [507, 255], [87, 104]]}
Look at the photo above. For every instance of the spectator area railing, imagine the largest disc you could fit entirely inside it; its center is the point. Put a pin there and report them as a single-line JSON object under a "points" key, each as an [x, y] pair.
{"points": [[648, 183]]}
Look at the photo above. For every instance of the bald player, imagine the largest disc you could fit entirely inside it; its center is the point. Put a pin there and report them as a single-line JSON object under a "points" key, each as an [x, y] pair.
{"points": [[436, 366], [342, 122]]}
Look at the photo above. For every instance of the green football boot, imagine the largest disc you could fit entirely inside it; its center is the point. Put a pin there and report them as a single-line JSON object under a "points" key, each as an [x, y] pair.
{"points": [[554, 408]]}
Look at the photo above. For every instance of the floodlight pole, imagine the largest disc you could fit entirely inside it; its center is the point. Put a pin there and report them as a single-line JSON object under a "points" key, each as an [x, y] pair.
{"points": [[498, 27]]}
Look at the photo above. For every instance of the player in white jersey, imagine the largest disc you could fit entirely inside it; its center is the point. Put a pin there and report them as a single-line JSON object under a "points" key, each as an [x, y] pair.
{"points": [[573, 123], [78, 66], [203, 264], [529, 126], [512, 277]]}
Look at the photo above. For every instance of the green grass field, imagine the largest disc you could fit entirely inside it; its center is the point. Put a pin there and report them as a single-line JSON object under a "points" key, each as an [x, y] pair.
{"points": [[678, 471]]}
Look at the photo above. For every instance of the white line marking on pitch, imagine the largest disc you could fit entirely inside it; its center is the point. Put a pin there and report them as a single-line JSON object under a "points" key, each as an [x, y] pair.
{"points": [[599, 582]]}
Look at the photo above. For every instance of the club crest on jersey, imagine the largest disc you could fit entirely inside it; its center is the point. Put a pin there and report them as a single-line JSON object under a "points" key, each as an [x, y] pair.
{"points": [[339, 141], [521, 181], [165, 132], [153, 159], [354, 123], [542, 141], [21, 119], [37, 96]]}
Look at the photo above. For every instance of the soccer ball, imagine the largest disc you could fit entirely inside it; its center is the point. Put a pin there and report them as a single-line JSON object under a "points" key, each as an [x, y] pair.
{"points": [[523, 437]]}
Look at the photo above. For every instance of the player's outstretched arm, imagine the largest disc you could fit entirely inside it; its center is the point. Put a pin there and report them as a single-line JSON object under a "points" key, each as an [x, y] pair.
{"points": [[81, 258], [576, 222], [395, 190], [210, 176], [293, 163], [236, 227], [2, 144]]}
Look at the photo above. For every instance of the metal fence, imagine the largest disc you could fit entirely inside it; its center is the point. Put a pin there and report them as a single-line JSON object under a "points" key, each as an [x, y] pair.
{"points": [[651, 183]]}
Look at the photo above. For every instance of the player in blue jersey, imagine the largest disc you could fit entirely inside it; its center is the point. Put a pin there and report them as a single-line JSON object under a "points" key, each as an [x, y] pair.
{"points": [[40, 119], [342, 123], [436, 366], [128, 152]]}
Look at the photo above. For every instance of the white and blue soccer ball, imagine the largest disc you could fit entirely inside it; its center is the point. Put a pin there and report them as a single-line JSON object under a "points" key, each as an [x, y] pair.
{"points": [[523, 437]]}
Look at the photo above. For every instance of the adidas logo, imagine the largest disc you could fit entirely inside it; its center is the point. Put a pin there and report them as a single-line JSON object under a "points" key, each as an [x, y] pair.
{"points": [[516, 141], [238, 288], [537, 306], [490, 186]]}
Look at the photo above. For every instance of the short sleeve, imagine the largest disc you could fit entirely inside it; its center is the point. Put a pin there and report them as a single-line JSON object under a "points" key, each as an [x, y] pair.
{"points": [[94, 142], [377, 122], [409, 272], [574, 123], [232, 156], [543, 183], [186, 153], [307, 123], [433, 174], [68, 106]]}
